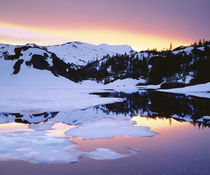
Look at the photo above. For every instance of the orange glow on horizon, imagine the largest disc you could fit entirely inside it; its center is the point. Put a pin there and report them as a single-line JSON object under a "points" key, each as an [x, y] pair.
{"points": [[94, 35]]}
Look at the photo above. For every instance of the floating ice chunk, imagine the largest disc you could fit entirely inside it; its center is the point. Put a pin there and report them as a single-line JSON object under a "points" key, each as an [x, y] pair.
{"points": [[109, 128], [36, 147]]}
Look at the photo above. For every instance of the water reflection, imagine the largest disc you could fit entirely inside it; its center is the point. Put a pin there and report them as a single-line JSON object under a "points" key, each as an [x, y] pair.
{"points": [[155, 104], [148, 103], [157, 123], [49, 143]]}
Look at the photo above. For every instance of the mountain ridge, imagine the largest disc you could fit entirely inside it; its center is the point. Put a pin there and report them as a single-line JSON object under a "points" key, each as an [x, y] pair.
{"points": [[104, 63]]}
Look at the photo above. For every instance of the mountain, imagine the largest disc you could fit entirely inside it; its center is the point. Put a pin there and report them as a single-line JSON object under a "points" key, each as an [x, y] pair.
{"points": [[76, 61], [80, 53], [23, 63]]}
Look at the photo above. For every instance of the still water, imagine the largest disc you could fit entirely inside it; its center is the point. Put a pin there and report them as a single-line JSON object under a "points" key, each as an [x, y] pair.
{"points": [[172, 145]]}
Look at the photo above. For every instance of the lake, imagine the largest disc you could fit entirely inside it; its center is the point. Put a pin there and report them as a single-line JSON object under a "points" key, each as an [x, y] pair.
{"points": [[148, 132]]}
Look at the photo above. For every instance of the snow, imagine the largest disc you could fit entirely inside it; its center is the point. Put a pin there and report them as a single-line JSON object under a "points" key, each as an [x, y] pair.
{"points": [[37, 147], [149, 86], [25, 99], [29, 76], [200, 90], [41, 146], [187, 50], [27, 54], [201, 48], [108, 128], [126, 85], [7, 119], [206, 117], [185, 118], [186, 80], [39, 90], [81, 53], [7, 48]]}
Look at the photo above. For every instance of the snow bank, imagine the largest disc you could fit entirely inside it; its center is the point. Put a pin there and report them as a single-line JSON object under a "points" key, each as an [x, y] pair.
{"points": [[126, 85], [24, 99], [150, 86], [200, 90]]}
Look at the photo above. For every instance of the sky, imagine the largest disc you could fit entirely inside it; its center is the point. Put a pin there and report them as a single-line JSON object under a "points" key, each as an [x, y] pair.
{"points": [[142, 24]]}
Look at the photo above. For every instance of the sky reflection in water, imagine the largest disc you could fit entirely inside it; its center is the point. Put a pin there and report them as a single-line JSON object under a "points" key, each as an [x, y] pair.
{"points": [[47, 142]]}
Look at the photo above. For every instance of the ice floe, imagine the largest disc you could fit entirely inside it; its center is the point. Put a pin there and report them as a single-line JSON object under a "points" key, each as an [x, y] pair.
{"points": [[109, 128]]}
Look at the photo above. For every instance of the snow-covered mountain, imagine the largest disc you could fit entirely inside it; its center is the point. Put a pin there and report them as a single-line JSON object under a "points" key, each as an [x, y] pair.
{"points": [[30, 62], [37, 79], [80, 53], [78, 61]]}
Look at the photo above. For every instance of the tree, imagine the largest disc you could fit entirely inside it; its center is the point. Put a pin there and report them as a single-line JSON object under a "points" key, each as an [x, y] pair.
{"points": [[200, 43], [170, 47]]}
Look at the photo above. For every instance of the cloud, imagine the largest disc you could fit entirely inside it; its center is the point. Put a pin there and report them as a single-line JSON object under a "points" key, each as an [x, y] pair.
{"points": [[21, 35], [9, 32]]}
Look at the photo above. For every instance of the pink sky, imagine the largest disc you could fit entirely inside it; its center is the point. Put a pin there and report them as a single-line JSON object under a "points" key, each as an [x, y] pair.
{"points": [[140, 23]]}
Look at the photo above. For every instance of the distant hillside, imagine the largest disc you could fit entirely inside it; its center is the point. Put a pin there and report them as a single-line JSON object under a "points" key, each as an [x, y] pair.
{"points": [[78, 61]]}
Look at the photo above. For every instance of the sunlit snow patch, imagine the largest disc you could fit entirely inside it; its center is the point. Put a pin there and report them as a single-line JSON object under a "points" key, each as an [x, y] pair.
{"points": [[109, 128]]}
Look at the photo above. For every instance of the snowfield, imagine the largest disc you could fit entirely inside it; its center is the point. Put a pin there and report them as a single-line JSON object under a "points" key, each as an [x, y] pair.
{"points": [[200, 90], [81, 53]]}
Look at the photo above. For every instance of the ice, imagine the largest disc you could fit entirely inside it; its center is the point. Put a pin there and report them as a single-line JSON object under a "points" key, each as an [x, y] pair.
{"points": [[25, 99], [109, 128], [36, 147], [40, 147]]}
